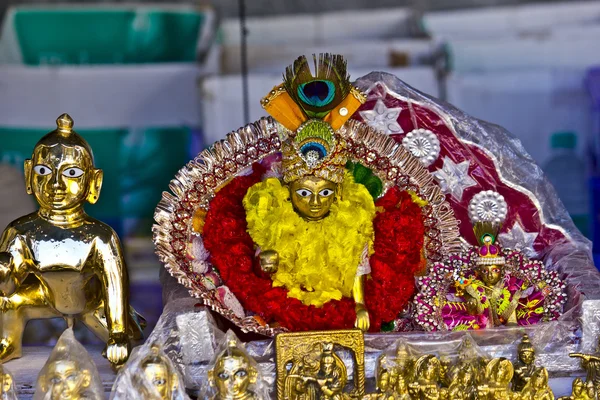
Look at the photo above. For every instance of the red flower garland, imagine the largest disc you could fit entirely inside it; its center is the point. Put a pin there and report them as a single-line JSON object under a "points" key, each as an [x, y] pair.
{"points": [[399, 235]]}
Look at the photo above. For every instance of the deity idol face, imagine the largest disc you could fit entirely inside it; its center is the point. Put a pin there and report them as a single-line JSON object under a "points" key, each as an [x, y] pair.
{"points": [[327, 364], [591, 389], [577, 387], [59, 176], [431, 370], [67, 380], [6, 384], [312, 197], [232, 377], [158, 375], [490, 274], [384, 380], [503, 373], [527, 356]]}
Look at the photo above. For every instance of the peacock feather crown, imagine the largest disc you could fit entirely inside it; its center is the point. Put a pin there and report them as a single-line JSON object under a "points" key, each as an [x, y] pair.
{"points": [[312, 108]]}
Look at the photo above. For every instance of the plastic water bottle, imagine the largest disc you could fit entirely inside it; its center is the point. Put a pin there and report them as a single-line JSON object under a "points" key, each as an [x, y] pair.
{"points": [[567, 173]]}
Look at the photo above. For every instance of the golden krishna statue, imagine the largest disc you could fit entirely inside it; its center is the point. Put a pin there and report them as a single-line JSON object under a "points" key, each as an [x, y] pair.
{"points": [[60, 262]]}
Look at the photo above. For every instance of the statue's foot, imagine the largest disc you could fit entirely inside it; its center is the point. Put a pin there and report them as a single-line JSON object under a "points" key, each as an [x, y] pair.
{"points": [[8, 351]]}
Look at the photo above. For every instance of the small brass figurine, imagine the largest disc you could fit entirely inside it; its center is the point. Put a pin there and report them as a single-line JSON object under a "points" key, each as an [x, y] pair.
{"points": [[58, 261], [499, 373], [427, 376], [234, 373], [69, 373], [490, 294], [581, 391], [404, 362], [7, 389], [402, 390], [537, 387], [160, 373], [149, 374], [387, 388], [464, 381], [591, 364], [308, 367], [525, 366], [446, 371], [327, 382]]}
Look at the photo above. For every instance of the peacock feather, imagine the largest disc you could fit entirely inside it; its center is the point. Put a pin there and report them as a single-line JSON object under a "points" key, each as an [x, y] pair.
{"points": [[318, 94], [315, 140]]}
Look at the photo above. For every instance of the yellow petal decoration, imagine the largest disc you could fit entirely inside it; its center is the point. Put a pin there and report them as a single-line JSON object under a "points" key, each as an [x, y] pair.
{"points": [[317, 260]]}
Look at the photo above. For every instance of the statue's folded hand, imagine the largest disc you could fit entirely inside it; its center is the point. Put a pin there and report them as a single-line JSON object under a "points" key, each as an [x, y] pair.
{"points": [[117, 348], [269, 261], [362, 318]]}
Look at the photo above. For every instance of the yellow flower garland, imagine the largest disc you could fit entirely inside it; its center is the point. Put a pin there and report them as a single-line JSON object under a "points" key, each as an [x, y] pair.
{"points": [[317, 260]]}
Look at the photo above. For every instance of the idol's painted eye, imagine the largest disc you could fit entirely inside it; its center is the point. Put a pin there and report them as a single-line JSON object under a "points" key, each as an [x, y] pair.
{"points": [[223, 376], [72, 377], [42, 170], [73, 172], [325, 192], [303, 192], [241, 373], [159, 381]]}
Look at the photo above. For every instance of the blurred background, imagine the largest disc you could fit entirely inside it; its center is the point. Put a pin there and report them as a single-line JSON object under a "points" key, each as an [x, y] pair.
{"points": [[149, 85]]}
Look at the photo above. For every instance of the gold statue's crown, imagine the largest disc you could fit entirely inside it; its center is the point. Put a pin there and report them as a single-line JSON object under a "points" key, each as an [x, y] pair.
{"points": [[525, 344], [327, 348], [232, 343], [314, 149], [64, 124], [489, 253], [312, 108]]}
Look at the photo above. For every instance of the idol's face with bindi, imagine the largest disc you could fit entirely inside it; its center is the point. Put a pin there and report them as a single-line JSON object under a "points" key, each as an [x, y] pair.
{"points": [[527, 356], [327, 364], [60, 176], [232, 377], [490, 274], [66, 380], [312, 197], [158, 375]]}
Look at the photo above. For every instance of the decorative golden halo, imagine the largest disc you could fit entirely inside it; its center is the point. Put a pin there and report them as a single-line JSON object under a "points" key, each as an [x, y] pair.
{"points": [[195, 185]]}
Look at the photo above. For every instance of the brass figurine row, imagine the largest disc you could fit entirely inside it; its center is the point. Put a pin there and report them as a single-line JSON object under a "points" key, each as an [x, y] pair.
{"points": [[313, 365], [310, 366]]}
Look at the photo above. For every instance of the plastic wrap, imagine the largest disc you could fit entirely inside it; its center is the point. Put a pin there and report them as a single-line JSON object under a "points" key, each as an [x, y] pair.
{"points": [[69, 373], [149, 374], [234, 373]]}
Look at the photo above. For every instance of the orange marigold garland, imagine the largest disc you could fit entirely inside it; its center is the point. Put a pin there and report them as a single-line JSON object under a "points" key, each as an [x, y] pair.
{"points": [[399, 235]]}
